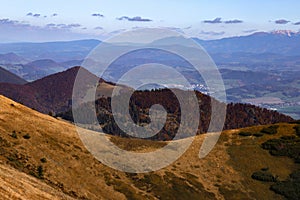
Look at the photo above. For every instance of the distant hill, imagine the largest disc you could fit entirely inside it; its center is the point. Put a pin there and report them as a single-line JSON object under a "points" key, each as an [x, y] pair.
{"points": [[37, 69], [71, 63], [12, 58], [8, 77], [57, 51], [40, 68], [45, 63], [51, 93]]}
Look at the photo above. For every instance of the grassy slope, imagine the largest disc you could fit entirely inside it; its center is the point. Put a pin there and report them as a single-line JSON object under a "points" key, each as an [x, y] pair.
{"points": [[18, 185], [247, 157], [224, 174]]}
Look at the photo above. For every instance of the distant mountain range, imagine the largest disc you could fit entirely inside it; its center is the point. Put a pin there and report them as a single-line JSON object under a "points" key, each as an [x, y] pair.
{"points": [[278, 42], [273, 50], [12, 58], [32, 61], [273, 57], [57, 51]]}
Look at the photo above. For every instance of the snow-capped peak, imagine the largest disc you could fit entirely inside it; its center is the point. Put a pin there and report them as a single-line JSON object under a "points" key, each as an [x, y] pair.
{"points": [[288, 33]]}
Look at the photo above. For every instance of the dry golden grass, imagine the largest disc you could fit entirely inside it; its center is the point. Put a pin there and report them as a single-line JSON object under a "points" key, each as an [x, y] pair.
{"points": [[18, 185], [70, 169]]}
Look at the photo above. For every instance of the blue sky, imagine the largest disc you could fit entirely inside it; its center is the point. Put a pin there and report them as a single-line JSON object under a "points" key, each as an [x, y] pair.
{"points": [[48, 20]]}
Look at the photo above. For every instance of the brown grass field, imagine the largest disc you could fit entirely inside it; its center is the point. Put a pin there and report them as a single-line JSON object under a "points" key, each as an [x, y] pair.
{"points": [[42, 157]]}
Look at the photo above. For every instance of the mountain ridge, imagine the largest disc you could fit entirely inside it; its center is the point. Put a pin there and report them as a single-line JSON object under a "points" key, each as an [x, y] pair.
{"points": [[261, 42], [52, 93], [40, 94], [8, 77], [283, 42], [57, 51]]}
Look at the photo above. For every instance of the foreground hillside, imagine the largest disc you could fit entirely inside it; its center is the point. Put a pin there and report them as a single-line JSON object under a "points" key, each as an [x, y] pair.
{"points": [[47, 152], [18, 185]]}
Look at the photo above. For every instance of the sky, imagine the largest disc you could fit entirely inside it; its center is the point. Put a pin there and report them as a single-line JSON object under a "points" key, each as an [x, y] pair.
{"points": [[56, 20]]}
